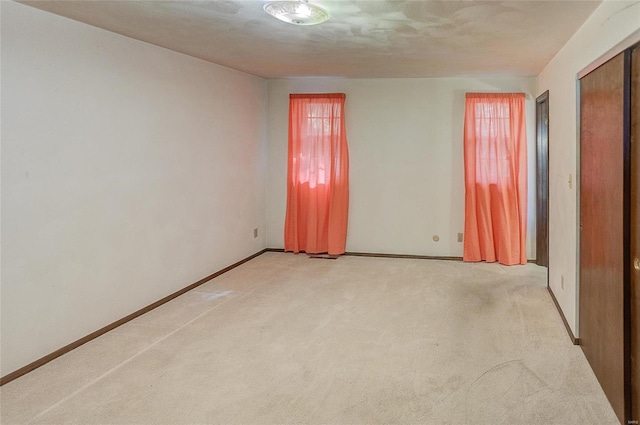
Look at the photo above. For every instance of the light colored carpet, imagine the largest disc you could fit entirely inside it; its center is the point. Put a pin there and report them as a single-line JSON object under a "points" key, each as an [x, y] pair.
{"points": [[289, 339]]}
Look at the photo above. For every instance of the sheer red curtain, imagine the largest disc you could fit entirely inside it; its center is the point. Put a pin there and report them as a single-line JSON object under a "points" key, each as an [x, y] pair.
{"points": [[495, 165], [318, 175]]}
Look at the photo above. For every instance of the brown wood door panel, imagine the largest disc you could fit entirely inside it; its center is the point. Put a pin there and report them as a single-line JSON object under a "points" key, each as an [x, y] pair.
{"points": [[635, 233], [601, 297], [542, 180]]}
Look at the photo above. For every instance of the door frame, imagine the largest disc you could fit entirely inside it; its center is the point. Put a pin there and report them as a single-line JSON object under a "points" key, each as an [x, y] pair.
{"points": [[542, 176], [627, 232], [634, 222]]}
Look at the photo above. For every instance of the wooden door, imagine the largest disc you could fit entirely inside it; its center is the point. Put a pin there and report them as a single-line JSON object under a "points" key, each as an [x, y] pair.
{"points": [[542, 180], [634, 265], [602, 256]]}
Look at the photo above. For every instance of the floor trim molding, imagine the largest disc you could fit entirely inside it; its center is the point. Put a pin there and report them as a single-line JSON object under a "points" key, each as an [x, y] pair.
{"points": [[67, 348], [574, 340], [406, 256], [379, 255], [373, 254]]}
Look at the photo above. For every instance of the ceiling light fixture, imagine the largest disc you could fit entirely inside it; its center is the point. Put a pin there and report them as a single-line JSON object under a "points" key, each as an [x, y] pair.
{"points": [[296, 12]]}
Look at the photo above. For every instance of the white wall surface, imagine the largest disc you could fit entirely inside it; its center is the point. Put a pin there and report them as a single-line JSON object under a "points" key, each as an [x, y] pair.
{"points": [[610, 23], [406, 159], [128, 172]]}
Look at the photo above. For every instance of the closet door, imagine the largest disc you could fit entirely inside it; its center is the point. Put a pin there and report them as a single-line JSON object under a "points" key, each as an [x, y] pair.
{"points": [[602, 256], [635, 234]]}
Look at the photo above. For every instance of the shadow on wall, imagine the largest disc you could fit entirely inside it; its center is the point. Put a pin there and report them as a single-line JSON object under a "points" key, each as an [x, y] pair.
{"points": [[457, 151]]}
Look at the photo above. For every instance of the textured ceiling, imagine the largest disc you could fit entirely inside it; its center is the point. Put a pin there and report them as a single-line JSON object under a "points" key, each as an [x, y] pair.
{"points": [[375, 38]]}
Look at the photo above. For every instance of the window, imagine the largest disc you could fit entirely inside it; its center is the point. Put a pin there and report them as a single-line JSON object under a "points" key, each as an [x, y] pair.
{"points": [[318, 174], [493, 141], [495, 166], [322, 124]]}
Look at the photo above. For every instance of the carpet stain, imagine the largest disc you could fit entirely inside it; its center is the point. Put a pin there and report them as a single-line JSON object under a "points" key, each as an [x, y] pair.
{"points": [[505, 390], [215, 295]]}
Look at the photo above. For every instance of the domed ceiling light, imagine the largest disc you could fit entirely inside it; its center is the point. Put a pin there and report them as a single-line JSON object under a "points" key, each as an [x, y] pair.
{"points": [[296, 12]]}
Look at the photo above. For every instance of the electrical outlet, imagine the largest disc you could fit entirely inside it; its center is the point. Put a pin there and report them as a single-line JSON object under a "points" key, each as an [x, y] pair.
{"points": [[562, 282], [255, 232], [460, 237]]}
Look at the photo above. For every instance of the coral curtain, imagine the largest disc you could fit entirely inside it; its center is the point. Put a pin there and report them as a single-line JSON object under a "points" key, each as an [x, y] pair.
{"points": [[495, 165], [318, 175]]}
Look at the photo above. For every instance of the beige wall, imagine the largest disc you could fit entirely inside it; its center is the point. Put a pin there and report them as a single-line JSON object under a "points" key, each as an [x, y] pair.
{"points": [[612, 22], [128, 172], [405, 143]]}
